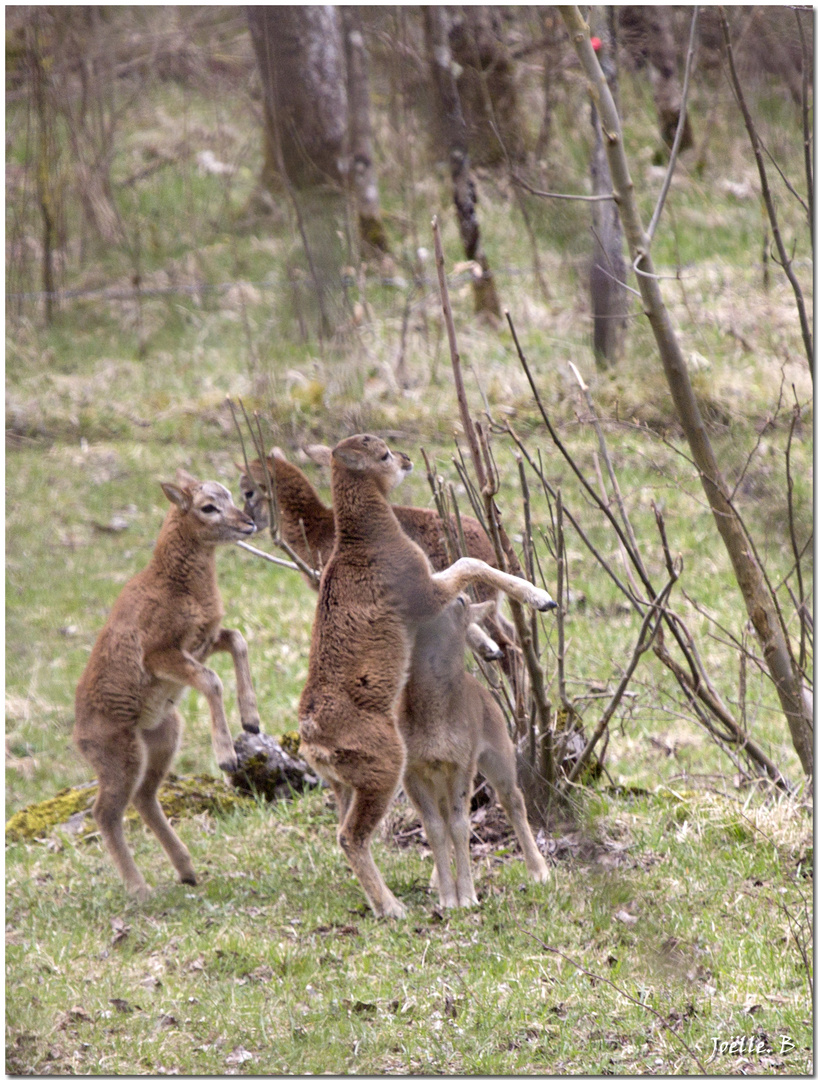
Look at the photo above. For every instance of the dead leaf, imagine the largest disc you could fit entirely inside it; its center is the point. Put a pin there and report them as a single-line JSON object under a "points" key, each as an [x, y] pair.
{"points": [[626, 917], [76, 1014], [367, 1007], [262, 974], [120, 929], [123, 1006], [238, 1056]]}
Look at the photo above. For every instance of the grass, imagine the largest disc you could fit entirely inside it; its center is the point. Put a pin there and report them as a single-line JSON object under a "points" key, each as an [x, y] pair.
{"points": [[689, 893], [675, 900]]}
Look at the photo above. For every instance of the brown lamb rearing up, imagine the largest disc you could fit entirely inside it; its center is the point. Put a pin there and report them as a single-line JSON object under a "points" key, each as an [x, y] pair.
{"points": [[163, 626], [308, 525], [376, 589]]}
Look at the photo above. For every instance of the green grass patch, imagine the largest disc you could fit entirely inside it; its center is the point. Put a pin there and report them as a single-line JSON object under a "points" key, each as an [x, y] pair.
{"points": [[274, 964]]}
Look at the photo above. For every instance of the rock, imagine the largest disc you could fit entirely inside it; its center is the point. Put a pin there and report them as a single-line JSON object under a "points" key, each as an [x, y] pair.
{"points": [[267, 769]]}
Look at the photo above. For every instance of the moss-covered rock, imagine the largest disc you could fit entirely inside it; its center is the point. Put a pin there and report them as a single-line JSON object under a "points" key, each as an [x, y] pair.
{"points": [[180, 796], [269, 768], [291, 742], [39, 819]]}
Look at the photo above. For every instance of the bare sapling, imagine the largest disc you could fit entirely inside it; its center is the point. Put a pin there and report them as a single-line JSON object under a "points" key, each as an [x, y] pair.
{"points": [[165, 623], [307, 525], [376, 589], [452, 726]]}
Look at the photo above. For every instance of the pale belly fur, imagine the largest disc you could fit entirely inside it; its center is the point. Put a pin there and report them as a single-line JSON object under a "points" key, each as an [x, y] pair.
{"points": [[161, 698]]}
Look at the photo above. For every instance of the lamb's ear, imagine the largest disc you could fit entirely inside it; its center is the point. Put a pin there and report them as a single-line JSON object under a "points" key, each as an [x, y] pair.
{"points": [[177, 496], [321, 455], [278, 454], [478, 612], [185, 480], [353, 459]]}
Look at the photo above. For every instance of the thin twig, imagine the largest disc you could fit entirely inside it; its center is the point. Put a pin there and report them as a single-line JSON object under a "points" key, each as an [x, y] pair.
{"points": [[805, 84], [557, 195], [462, 402], [796, 416], [677, 141], [786, 262], [269, 491], [267, 556], [643, 643], [666, 1024], [803, 950], [700, 691], [488, 484]]}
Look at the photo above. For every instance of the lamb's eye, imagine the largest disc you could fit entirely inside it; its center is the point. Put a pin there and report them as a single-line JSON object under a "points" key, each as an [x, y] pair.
{"points": [[209, 508], [386, 456]]}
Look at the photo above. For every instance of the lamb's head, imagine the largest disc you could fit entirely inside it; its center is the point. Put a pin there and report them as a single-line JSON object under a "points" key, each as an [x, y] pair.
{"points": [[207, 510], [254, 485], [467, 619], [368, 455]]}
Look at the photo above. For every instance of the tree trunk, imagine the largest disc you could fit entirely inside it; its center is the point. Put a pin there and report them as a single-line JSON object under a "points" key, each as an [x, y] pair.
{"points": [[301, 62], [609, 295], [435, 22], [761, 604], [364, 179], [648, 36], [486, 85]]}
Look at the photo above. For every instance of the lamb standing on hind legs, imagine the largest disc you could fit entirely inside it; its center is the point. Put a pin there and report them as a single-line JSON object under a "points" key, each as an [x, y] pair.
{"points": [[164, 624], [376, 589], [452, 726], [308, 526]]}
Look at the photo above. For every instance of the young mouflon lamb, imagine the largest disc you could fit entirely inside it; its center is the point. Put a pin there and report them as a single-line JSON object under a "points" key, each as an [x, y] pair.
{"points": [[161, 629], [452, 726]]}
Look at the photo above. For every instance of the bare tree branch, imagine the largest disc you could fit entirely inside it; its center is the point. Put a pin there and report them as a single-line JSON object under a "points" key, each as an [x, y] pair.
{"points": [[786, 262]]}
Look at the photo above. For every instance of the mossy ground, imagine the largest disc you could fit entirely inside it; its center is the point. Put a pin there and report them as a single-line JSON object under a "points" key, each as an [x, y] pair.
{"points": [[179, 796]]}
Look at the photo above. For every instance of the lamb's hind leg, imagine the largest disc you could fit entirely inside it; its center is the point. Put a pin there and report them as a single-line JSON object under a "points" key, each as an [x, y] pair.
{"points": [[460, 829], [354, 835], [498, 765], [161, 744], [422, 794], [119, 762]]}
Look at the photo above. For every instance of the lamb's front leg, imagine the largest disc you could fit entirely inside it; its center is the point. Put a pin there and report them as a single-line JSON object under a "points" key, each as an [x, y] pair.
{"points": [[180, 667], [232, 642], [467, 571]]}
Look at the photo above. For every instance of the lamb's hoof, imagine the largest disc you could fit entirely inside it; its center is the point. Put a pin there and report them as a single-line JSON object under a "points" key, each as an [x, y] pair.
{"points": [[229, 765], [189, 879], [394, 909], [252, 726], [542, 601]]}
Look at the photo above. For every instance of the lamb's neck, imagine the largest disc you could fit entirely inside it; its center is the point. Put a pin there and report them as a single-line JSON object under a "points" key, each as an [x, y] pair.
{"points": [[184, 563], [362, 512]]}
